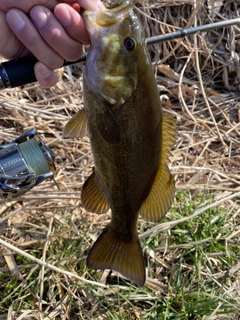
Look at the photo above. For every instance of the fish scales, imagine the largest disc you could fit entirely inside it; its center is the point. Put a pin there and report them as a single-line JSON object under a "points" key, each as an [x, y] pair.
{"points": [[130, 139], [126, 170]]}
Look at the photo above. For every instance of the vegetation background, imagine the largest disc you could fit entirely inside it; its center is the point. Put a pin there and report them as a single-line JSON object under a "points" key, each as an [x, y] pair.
{"points": [[192, 255]]}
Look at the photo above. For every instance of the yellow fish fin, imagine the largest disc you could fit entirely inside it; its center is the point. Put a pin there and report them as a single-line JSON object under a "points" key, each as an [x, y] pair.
{"points": [[161, 195], [92, 196], [125, 257], [77, 126]]}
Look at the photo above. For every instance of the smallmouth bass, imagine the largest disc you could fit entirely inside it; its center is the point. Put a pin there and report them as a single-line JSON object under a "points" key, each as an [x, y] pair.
{"points": [[130, 139]]}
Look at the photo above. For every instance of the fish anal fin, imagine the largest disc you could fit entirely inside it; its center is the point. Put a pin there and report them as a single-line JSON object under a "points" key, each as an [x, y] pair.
{"points": [[77, 126], [161, 195], [92, 196], [125, 257]]}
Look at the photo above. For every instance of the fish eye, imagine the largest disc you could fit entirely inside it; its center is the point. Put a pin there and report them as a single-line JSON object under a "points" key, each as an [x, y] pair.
{"points": [[129, 44]]}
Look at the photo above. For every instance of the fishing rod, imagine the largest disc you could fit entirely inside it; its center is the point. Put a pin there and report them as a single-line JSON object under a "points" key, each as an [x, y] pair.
{"points": [[19, 72]]}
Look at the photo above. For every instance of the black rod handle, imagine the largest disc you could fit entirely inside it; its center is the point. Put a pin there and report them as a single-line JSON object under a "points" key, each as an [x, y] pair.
{"points": [[18, 72]]}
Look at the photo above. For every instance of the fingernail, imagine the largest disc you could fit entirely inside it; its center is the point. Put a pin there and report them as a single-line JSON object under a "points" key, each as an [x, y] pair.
{"points": [[100, 5], [39, 17], [65, 18], [43, 70], [15, 20]]}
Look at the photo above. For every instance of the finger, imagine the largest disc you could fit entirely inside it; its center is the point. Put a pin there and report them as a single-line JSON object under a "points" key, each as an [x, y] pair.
{"points": [[26, 5], [93, 5], [10, 46], [72, 22], [97, 5], [45, 76], [54, 34], [32, 40]]}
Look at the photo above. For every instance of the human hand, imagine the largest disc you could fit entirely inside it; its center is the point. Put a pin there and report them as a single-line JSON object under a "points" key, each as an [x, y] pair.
{"points": [[49, 30]]}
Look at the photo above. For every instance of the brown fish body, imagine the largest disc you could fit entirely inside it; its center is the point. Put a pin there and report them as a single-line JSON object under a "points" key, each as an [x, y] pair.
{"points": [[130, 139], [126, 170]]}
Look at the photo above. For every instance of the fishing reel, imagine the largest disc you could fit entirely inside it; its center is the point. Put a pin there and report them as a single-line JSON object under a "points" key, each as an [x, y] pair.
{"points": [[24, 164]]}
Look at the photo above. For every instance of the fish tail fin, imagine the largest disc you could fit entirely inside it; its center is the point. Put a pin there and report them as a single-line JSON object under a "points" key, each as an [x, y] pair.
{"points": [[125, 257]]}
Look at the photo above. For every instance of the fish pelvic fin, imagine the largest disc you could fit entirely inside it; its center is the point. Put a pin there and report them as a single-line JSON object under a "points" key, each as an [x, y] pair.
{"points": [[161, 195], [77, 126], [125, 257], [92, 196]]}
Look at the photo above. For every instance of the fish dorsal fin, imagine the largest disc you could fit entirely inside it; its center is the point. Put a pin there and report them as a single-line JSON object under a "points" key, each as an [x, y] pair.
{"points": [[77, 126], [161, 195], [92, 196], [107, 125]]}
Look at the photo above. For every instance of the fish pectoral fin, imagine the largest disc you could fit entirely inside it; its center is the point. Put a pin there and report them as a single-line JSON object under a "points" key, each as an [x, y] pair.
{"points": [[77, 126], [107, 126], [125, 257], [161, 195], [92, 196]]}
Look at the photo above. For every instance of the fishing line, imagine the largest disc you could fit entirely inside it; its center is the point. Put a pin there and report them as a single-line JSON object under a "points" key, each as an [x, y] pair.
{"points": [[34, 157]]}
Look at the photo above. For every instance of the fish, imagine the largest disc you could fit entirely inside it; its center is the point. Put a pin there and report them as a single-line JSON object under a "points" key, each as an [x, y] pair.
{"points": [[130, 137]]}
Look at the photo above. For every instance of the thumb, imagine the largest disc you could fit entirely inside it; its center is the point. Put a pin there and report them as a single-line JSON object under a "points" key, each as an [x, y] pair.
{"points": [[45, 76]]}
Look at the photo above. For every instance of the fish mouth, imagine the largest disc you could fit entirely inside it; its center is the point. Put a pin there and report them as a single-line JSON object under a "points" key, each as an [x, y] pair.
{"points": [[104, 74], [106, 18]]}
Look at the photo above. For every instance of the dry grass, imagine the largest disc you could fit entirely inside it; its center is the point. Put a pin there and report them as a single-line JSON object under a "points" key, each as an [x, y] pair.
{"points": [[198, 79]]}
